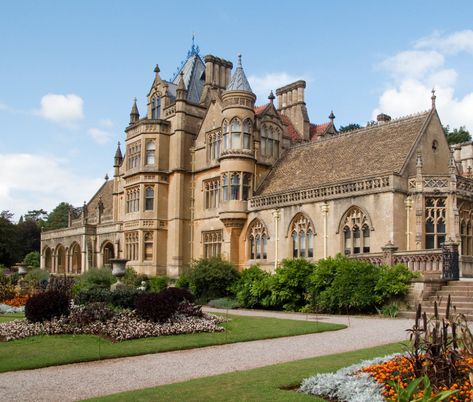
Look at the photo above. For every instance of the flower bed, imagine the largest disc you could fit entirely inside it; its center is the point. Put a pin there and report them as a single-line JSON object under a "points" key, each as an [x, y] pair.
{"points": [[17, 301], [122, 326]]}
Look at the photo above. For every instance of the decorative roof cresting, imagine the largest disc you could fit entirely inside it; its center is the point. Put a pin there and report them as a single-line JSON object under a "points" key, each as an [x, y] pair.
{"points": [[239, 81]]}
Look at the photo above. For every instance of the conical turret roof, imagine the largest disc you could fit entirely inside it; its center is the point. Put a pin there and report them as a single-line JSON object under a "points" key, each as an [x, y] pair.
{"points": [[239, 81]]}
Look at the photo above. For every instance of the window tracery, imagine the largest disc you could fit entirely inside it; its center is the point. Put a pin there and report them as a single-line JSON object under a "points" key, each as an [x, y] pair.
{"points": [[149, 199], [148, 246], [214, 141], [302, 237], [258, 241], [131, 246], [150, 153], [212, 242], [236, 186], [270, 138], [132, 199], [356, 232], [435, 227], [466, 220], [211, 189], [134, 153], [237, 135]]}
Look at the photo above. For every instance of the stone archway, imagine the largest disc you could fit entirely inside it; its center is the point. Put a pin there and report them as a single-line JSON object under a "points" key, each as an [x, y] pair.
{"points": [[76, 258], [60, 259], [48, 259], [107, 253]]}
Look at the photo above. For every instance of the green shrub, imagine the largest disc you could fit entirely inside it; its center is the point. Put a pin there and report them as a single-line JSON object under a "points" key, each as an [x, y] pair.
{"points": [[32, 259], [157, 283], [94, 278], [393, 282], [7, 291], [47, 305], [93, 295], [124, 297], [289, 284], [37, 278], [183, 281], [211, 278], [224, 303], [253, 289], [132, 279], [390, 310]]}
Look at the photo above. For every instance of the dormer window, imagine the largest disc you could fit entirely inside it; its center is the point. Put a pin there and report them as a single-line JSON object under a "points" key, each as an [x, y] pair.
{"points": [[270, 141]]}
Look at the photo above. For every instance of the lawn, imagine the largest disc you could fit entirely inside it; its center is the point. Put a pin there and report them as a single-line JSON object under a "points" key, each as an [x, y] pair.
{"points": [[10, 317], [270, 383], [42, 351]]}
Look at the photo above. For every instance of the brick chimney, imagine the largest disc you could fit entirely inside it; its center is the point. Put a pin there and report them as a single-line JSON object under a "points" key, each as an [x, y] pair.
{"points": [[291, 104], [383, 118]]}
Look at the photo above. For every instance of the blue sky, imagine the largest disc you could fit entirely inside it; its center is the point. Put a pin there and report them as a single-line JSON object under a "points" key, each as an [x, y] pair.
{"points": [[69, 71]]}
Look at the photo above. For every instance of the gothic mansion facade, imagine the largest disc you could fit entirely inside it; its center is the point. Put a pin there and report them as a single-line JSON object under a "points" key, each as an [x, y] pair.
{"points": [[205, 172]]}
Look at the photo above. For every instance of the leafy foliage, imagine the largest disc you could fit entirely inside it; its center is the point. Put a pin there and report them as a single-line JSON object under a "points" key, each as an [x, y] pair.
{"points": [[44, 306], [457, 135], [253, 289], [32, 259], [121, 298], [420, 385], [157, 284], [393, 282], [349, 127], [94, 278], [59, 217], [132, 278], [62, 284], [224, 303], [37, 278], [211, 278], [183, 281], [156, 307]]}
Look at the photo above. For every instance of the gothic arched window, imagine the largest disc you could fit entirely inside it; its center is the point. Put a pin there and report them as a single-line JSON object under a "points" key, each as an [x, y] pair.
{"points": [[466, 220], [270, 141], [302, 237], [435, 228], [149, 199], [356, 232], [258, 241], [226, 135], [247, 134], [235, 187], [150, 152], [235, 128]]}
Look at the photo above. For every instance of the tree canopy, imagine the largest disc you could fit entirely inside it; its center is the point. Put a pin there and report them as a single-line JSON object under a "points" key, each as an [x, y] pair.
{"points": [[59, 217], [349, 127], [457, 135]]}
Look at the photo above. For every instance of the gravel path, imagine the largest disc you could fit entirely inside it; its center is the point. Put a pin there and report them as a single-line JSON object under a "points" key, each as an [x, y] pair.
{"points": [[85, 380]]}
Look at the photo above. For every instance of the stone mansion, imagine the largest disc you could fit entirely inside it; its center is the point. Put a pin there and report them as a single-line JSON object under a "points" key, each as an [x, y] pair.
{"points": [[205, 172]]}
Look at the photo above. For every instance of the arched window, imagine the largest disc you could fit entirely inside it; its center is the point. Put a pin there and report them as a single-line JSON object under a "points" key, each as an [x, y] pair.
{"points": [[270, 141], [226, 135], [247, 134], [235, 128], [76, 258], [434, 222], [149, 199], [356, 232], [246, 186], [466, 219], [150, 152], [48, 259], [60, 259], [156, 108], [108, 254], [225, 187], [258, 241], [235, 186], [302, 237]]}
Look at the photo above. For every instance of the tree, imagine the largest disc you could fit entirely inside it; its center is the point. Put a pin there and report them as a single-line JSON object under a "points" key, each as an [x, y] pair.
{"points": [[32, 259], [457, 135], [37, 215], [9, 252], [349, 127], [59, 217], [28, 235]]}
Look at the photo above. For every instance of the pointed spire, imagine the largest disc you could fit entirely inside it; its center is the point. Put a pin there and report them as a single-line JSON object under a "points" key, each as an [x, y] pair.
{"points": [[118, 156], [134, 114], [331, 117], [239, 81], [271, 97], [106, 177], [181, 88], [433, 97], [156, 69]]}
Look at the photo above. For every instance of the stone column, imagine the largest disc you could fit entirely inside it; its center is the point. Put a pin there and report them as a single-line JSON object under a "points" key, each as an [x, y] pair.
{"points": [[408, 202], [388, 253], [324, 208], [277, 217]]}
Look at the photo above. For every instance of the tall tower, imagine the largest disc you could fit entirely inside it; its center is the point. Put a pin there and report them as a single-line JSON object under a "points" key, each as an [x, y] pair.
{"points": [[237, 159]]}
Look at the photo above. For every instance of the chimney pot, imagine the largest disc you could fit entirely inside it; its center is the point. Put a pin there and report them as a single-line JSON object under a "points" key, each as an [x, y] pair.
{"points": [[383, 118]]}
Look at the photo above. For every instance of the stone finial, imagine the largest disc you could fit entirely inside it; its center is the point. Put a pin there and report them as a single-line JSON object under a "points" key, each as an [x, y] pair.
{"points": [[181, 88], [271, 97], [156, 69], [134, 114], [433, 97], [331, 116], [239, 60], [106, 177]]}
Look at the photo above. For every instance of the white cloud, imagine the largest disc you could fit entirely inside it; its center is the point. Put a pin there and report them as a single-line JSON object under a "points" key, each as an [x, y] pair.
{"points": [[38, 181], [450, 44], [262, 85], [415, 72], [64, 109], [412, 63], [106, 122], [99, 136]]}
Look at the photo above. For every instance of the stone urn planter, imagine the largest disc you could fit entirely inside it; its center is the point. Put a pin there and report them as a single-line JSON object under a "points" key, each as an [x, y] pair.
{"points": [[22, 284], [118, 271]]}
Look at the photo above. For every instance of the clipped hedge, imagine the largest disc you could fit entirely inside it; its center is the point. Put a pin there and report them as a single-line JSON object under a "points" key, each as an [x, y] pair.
{"points": [[122, 298]]}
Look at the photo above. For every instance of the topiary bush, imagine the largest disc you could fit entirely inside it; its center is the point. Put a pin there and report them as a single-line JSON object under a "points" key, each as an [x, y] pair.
{"points": [[211, 278], [253, 289], [157, 307], [47, 305], [94, 295], [124, 298], [289, 284]]}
